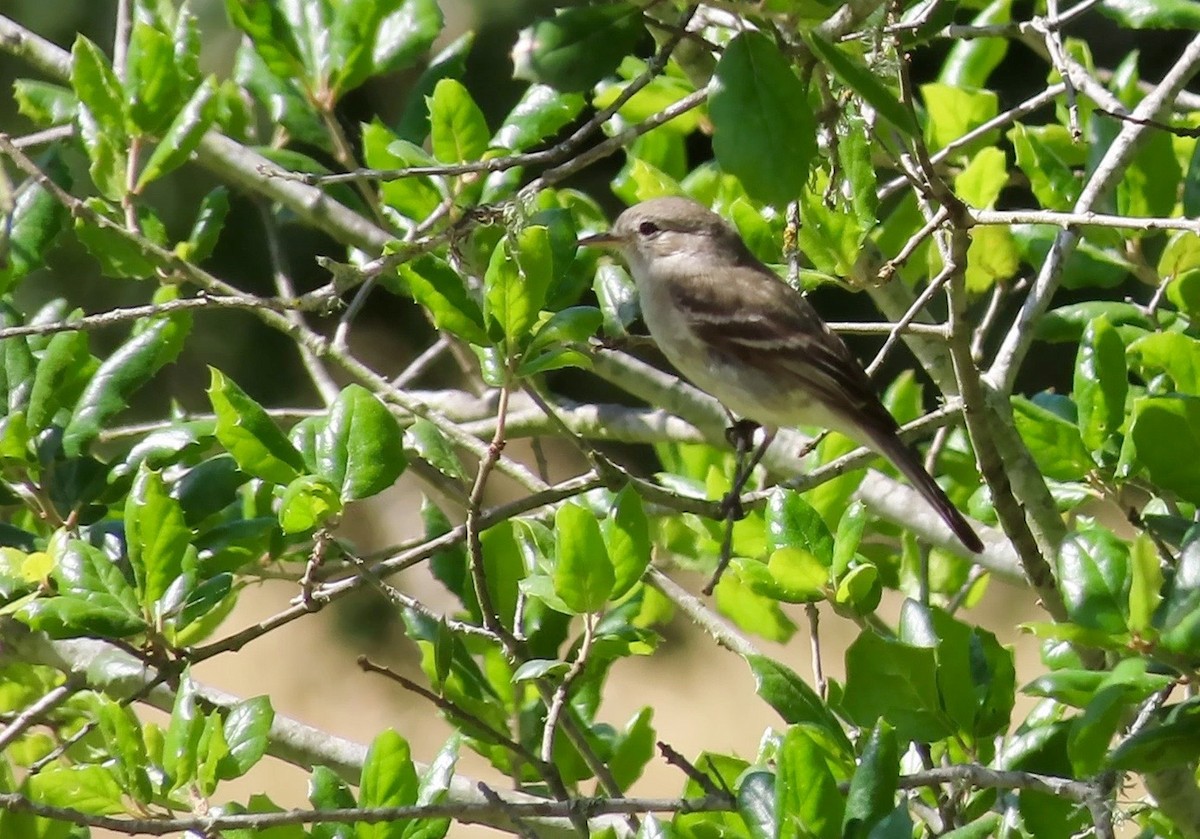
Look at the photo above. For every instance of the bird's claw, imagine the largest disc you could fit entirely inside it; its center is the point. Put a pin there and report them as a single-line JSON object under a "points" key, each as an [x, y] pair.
{"points": [[740, 435], [731, 507]]}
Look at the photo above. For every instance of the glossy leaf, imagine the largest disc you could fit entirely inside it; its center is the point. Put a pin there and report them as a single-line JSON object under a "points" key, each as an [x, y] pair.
{"points": [[792, 698], [1165, 434], [1101, 383], [152, 84], [583, 572], [872, 794], [388, 780], [36, 219], [1173, 353], [1093, 575], [912, 702], [435, 285], [764, 128], [156, 535], [627, 540], [578, 46], [130, 366], [250, 435], [541, 112], [458, 130], [183, 136], [1055, 443], [245, 731], [807, 800], [360, 450]]}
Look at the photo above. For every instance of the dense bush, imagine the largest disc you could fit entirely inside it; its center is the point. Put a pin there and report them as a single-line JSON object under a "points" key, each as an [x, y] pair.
{"points": [[985, 225]]}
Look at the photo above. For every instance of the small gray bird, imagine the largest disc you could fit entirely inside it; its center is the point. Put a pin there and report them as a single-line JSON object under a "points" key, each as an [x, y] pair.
{"points": [[752, 341]]}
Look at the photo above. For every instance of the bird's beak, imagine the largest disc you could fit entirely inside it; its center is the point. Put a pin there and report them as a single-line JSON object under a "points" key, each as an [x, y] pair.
{"points": [[598, 240]]}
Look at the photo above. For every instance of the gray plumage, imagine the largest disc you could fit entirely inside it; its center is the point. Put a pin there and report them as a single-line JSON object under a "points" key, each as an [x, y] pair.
{"points": [[756, 344]]}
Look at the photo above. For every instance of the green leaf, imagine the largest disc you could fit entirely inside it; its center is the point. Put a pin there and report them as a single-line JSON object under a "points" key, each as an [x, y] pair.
{"points": [[872, 794], [1101, 383], [272, 37], [327, 791], [130, 366], [360, 450], [1153, 14], [860, 589], [541, 112], [156, 535], [807, 800], [152, 84], [764, 128], [1093, 574], [431, 445], [1052, 180], [97, 87], [458, 129], [45, 104], [794, 523], [1146, 583], [86, 789], [793, 699], [72, 617], [1067, 323], [1172, 353], [971, 61], [247, 726], [756, 804], [308, 502], [62, 372], [504, 568], [206, 230], [1170, 744], [753, 611], [578, 46], [627, 541], [1149, 184], [1088, 266], [388, 780], [1164, 435], [509, 309], [911, 703], [583, 572], [634, 749], [406, 34], [798, 575], [34, 222], [864, 81], [250, 435], [119, 252], [437, 287], [1178, 620], [183, 136], [181, 742], [351, 42], [980, 182], [953, 112], [1054, 442], [123, 740]]}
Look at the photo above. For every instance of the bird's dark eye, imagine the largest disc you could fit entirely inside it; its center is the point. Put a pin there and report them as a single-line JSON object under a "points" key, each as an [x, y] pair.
{"points": [[647, 228]]}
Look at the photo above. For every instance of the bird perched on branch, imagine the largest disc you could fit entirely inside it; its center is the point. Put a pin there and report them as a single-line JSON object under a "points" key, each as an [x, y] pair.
{"points": [[737, 331]]}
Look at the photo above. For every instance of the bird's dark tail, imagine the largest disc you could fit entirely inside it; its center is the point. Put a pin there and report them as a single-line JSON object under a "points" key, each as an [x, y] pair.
{"points": [[911, 467]]}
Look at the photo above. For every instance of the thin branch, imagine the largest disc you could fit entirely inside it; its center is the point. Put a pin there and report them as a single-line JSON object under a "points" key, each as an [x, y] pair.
{"points": [[51, 700]]}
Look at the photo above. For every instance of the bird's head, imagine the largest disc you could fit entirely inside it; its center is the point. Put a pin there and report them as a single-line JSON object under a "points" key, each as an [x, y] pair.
{"points": [[664, 230]]}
